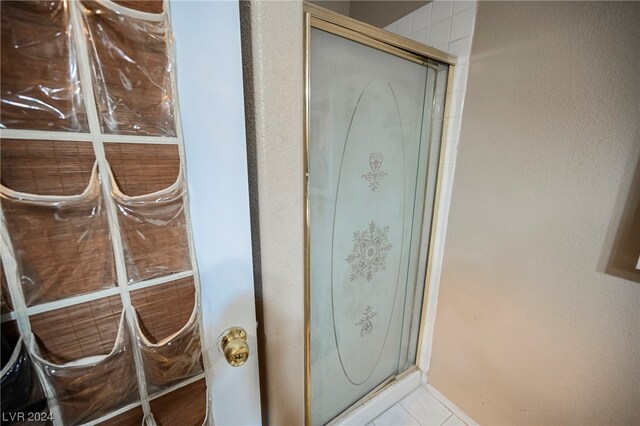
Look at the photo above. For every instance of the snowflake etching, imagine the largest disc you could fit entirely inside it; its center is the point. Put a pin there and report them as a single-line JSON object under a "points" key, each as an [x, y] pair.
{"points": [[365, 321], [376, 174], [369, 254]]}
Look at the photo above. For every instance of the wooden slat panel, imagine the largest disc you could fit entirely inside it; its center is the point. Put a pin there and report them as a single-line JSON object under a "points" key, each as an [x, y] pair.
{"points": [[92, 391], [46, 167], [78, 331], [133, 85], [143, 168], [39, 88], [154, 235], [186, 406], [5, 299], [164, 309], [61, 251], [149, 6], [155, 240], [132, 417], [145, 107]]}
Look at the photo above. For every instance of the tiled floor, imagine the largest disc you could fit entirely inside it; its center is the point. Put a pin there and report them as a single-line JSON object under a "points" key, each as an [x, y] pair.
{"points": [[419, 408]]}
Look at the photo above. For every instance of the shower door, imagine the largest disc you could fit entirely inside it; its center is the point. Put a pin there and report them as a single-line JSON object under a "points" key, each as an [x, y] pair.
{"points": [[374, 126]]}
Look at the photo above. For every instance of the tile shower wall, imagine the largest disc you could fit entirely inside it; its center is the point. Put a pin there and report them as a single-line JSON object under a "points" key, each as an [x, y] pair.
{"points": [[447, 26]]}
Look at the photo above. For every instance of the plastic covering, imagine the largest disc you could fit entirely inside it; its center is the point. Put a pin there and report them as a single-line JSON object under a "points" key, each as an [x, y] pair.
{"points": [[154, 231], [40, 85], [5, 301], [92, 387], [131, 64], [61, 243], [174, 358], [21, 390], [61, 226]]}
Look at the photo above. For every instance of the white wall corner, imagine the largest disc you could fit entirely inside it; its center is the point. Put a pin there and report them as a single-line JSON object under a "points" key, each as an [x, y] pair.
{"points": [[448, 26]]}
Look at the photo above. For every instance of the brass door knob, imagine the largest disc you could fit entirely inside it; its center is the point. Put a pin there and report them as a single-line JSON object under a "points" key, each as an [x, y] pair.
{"points": [[234, 346]]}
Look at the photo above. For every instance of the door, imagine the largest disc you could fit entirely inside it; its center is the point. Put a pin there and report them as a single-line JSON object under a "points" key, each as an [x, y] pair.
{"points": [[375, 119], [127, 289], [211, 102]]}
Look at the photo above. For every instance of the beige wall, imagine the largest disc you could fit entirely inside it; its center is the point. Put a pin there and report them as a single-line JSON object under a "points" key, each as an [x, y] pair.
{"points": [[530, 329]]}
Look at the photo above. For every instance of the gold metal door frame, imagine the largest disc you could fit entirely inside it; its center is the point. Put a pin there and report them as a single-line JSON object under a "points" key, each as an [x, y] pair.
{"points": [[343, 26]]}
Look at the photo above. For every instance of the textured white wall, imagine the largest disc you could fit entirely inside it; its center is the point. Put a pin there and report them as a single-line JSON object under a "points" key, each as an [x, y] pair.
{"points": [[275, 30], [530, 329]]}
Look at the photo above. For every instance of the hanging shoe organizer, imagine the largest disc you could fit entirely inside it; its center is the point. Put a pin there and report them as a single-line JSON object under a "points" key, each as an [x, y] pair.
{"points": [[100, 297]]}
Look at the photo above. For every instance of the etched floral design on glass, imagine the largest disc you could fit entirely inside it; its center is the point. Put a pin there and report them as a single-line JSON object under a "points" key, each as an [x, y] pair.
{"points": [[376, 174], [365, 323], [369, 254]]}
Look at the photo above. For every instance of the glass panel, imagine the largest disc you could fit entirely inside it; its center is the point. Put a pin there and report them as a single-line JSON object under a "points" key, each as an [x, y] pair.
{"points": [[412, 316], [370, 126]]}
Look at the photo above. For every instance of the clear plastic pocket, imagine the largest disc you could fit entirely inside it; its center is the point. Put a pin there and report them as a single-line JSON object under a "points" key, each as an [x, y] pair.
{"points": [[21, 391], [40, 81], [174, 358], [154, 231], [61, 243], [94, 386], [5, 301], [131, 63], [186, 406], [169, 355]]}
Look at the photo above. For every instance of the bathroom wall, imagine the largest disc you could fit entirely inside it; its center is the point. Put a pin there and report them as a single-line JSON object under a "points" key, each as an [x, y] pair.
{"points": [[273, 86], [530, 328], [448, 26]]}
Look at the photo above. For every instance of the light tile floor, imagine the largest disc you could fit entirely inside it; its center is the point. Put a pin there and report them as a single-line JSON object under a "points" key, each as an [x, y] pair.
{"points": [[419, 408]]}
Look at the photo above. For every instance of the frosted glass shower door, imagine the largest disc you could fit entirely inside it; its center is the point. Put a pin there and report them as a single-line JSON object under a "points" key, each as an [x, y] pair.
{"points": [[370, 118]]}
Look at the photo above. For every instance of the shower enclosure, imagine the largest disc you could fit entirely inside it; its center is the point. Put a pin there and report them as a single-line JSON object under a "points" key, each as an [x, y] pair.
{"points": [[374, 118]]}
